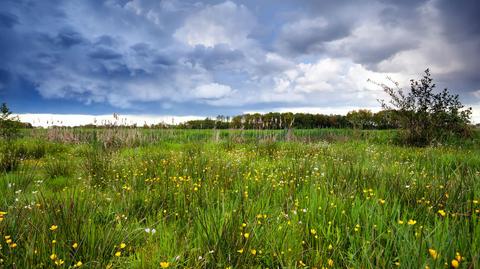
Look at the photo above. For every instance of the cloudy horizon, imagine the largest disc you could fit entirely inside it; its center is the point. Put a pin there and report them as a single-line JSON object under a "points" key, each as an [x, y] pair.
{"points": [[148, 59]]}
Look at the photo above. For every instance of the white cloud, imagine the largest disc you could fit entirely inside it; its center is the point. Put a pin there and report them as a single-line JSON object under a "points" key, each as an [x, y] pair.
{"points": [[225, 23], [212, 91], [329, 75]]}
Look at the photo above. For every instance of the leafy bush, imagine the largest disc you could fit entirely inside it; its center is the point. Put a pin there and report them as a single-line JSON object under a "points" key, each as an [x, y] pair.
{"points": [[425, 116]]}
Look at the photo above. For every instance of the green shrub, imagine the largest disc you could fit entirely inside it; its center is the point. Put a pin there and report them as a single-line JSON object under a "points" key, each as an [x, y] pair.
{"points": [[424, 116]]}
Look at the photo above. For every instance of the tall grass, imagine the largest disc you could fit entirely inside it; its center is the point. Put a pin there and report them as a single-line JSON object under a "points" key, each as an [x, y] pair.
{"points": [[242, 199]]}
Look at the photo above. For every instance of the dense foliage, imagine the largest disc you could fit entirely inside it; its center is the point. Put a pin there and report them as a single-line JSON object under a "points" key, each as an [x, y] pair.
{"points": [[362, 119], [426, 116]]}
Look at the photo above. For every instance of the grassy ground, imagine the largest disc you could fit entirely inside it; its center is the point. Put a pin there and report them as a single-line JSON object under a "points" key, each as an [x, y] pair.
{"points": [[207, 200]]}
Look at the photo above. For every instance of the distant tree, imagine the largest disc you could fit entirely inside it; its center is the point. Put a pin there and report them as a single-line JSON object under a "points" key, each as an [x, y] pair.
{"points": [[361, 119], [9, 125], [426, 116]]}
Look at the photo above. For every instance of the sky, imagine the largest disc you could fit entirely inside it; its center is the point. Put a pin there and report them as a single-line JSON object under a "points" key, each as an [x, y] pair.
{"points": [[152, 58]]}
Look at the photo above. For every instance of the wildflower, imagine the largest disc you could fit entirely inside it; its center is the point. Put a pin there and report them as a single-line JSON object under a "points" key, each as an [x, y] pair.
{"points": [[411, 222], [164, 264], [240, 251], [433, 253], [59, 262], [246, 235], [455, 263], [75, 245], [14, 245], [302, 263], [330, 247], [118, 254], [54, 241], [53, 256], [123, 245], [53, 228], [442, 212], [381, 201], [254, 252], [313, 231], [400, 222], [78, 264], [330, 262], [458, 257]]}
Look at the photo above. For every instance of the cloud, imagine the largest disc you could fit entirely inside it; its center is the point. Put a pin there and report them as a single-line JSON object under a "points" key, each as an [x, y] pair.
{"points": [[133, 55], [8, 20], [310, 35], [212, 91], [225, 23]]}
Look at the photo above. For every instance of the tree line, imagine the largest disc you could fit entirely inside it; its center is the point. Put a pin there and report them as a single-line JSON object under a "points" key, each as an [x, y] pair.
{"points": [[359, 119]]}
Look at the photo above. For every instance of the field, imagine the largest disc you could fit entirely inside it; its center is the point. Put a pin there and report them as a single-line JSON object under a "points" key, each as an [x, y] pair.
{"points": [[236, 199]]}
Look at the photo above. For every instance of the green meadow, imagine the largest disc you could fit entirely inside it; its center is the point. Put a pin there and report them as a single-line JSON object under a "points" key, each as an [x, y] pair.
{"points": [[324, 198]]}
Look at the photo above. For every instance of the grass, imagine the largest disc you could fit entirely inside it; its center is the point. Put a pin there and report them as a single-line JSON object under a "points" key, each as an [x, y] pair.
{"points": [[251, 199]]}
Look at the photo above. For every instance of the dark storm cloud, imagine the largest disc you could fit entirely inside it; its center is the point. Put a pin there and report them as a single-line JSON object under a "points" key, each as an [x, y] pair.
{"points": [[218, 56], [8, 20], [68, 38], [461, 18], [104, 54], [309, 35]]}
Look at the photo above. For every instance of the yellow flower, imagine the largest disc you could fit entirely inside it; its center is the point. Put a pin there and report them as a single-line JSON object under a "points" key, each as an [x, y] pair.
{"points": [[253, 251], [455, 263], [53, 256], [330, 247], [381, 201], [53, 228], [78, 264], [400, 221], [123, 245], [7, 237], [54, 241], [14, 245], [433, 253], [240, 250], [246, 235], [458, 257], [411, 222], [59, 262], [330, 262], [313, 231], [164, 264], [8, 241], [118, 254], [75, 245], [442, 212], [302, 263]]}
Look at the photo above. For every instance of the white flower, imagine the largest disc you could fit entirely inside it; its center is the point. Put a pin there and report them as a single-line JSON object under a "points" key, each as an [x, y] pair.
{"points": [[147, 230]]}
